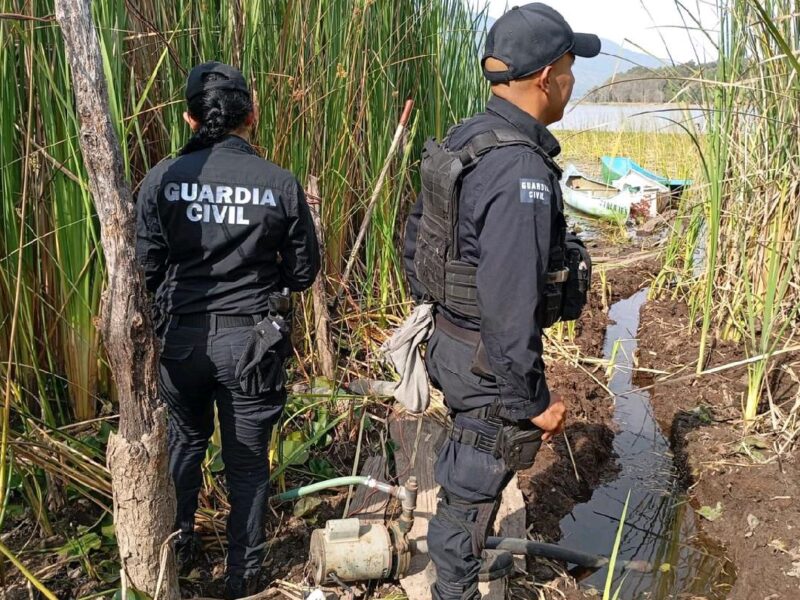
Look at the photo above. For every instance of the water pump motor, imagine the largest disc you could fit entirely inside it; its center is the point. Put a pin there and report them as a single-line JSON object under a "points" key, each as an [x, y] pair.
{"points": [[352, 550]]}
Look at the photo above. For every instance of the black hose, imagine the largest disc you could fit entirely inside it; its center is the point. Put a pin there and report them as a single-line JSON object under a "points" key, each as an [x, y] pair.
{"points": [[582, 559]]}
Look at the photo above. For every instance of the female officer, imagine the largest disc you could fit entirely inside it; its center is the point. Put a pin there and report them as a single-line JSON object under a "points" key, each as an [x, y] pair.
{"points": [[220, 232]]}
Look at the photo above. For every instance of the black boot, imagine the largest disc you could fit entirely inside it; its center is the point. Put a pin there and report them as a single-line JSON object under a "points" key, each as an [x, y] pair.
{"points": [[239, 586], [187, 549], [495, 564]]}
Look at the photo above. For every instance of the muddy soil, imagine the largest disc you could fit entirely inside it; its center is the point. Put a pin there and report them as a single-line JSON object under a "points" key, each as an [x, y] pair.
{"points": [[754, 490], [550, 486]]}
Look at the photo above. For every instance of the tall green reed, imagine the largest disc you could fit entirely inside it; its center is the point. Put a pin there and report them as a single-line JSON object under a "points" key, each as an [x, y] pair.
{"points": [[330, 78], [747, 213]]}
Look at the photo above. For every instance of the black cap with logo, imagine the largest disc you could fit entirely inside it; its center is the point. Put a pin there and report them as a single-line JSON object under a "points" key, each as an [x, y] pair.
{"points": [[228, 78], [528, 38]]}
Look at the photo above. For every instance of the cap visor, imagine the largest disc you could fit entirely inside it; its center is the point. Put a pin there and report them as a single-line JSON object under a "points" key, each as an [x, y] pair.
{"points": [[586, 45]]}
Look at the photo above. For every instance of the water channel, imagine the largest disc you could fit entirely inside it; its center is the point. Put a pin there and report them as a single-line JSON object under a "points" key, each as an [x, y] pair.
{"points": [[661, 526]]}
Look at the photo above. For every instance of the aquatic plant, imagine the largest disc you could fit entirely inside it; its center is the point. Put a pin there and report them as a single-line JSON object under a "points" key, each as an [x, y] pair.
{"points": [[734, 256]]}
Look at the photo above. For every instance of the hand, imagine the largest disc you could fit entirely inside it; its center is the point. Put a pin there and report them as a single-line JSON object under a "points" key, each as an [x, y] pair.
{"points": [[551, 421]]}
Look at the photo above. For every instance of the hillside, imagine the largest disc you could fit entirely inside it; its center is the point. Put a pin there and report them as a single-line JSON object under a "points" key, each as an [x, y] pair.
{"points": [[654, 85], [614, 59]]}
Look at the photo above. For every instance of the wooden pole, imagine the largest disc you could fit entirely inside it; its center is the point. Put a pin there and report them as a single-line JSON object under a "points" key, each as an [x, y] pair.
{"points": [[144, 499], [362, 232]]}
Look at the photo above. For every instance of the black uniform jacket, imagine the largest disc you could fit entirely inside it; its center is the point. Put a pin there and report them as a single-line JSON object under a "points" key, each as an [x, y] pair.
{"points": [[220, 228], [510, 211]]}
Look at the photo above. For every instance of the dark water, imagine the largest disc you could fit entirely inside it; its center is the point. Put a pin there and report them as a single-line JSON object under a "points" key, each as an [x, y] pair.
{"points": [[589, 228], [660, 526]]}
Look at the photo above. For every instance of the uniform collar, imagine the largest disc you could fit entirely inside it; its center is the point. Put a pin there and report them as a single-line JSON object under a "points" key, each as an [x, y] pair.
{"points": [[538, 133], [235, 142]]}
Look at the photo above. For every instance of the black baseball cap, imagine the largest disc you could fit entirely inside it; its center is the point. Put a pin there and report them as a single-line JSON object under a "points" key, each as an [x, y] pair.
{"points": [[528, 38], [230, 78]]}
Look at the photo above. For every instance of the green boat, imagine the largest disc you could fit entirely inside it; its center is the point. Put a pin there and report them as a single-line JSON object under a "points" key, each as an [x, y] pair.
{"points": [[616, 167]]}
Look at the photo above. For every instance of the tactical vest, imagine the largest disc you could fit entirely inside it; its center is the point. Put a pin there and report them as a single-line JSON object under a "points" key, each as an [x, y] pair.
{"points": [[450, 281]]}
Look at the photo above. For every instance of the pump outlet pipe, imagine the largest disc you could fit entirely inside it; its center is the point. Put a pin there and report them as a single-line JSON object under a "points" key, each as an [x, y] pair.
{"points": [[582, 559], [522, 547]]}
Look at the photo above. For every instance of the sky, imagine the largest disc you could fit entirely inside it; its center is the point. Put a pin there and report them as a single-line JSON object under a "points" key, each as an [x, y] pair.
{"points": [[653, 26]]}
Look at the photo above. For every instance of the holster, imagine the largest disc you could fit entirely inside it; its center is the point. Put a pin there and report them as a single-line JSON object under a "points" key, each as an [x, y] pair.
{"points": [[520, 445], [517, 443], [552, 302]]}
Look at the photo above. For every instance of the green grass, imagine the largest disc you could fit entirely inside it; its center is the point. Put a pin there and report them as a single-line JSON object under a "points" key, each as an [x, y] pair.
{"points": [[612, 562], [670, 154]]}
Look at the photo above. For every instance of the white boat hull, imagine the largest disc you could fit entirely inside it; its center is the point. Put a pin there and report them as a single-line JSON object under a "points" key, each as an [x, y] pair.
{"points": [[605, 202]]}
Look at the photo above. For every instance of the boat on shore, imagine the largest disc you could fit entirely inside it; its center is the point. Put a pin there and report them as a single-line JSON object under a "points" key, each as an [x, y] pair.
{"points": [[618, 167], [596, 198]]}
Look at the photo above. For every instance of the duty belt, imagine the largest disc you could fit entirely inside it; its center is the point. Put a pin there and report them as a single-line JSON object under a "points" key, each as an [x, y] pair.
{"points": [[485, 442], [467, 336], [479, 440], [208, 320]]}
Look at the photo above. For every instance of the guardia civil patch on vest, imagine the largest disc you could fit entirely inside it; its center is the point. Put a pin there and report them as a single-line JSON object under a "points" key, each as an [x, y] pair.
{"points": [[534, 191]]}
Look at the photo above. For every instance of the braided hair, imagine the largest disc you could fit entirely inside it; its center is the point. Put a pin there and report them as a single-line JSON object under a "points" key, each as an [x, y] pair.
{"points": [[219, 112]]}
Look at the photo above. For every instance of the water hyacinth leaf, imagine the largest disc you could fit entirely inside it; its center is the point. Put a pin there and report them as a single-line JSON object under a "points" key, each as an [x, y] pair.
{"points": [[15, 510], [710, 513], [322, 468], [294, 448], [215, 463], [306, 505], [15, 481], [132, 594], [81, 546], [108, 570]]}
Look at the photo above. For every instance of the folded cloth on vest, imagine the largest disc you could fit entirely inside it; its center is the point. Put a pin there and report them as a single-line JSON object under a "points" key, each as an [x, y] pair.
{"points": [[402, 351]]}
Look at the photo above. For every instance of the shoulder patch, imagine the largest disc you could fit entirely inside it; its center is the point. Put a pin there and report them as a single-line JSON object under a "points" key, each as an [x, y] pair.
{"points": [[534, 191]]}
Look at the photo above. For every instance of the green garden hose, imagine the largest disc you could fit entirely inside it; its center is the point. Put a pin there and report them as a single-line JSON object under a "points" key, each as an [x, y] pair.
{"points": [[322, 485]]}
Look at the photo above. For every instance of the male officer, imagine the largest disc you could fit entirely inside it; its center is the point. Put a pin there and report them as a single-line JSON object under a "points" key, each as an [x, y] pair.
{"points": [[498, 263], [220, 232]]}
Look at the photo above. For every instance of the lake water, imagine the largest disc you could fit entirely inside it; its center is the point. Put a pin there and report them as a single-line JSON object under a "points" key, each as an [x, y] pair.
{"points": [[630, 117]]}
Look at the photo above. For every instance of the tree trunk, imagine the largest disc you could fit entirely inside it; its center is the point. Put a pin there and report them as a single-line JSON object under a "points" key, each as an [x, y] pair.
{"points": [[144, 499], [322, 317]]}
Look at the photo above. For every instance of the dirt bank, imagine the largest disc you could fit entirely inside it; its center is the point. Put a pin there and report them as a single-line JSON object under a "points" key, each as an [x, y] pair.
{"points": [[752, 490]]}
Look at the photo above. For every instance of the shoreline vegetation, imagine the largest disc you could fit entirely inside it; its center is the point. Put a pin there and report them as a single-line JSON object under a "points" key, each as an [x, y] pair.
{"points": [[330, 95]]}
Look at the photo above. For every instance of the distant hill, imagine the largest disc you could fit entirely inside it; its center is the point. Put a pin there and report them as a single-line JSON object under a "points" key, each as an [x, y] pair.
{"points": [[613, 60], [664, 84]]}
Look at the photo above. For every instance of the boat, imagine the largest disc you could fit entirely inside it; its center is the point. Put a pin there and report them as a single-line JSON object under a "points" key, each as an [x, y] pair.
{"points": [[617, 167], [658, 196], [596, 198]]}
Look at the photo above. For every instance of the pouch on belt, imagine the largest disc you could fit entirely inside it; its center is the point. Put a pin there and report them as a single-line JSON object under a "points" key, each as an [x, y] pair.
{"points": [[260, 367]]}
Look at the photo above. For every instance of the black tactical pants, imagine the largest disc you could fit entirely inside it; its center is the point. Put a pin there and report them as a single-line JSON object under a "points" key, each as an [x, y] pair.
{"points": [[471, 480], [198, 361]]}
